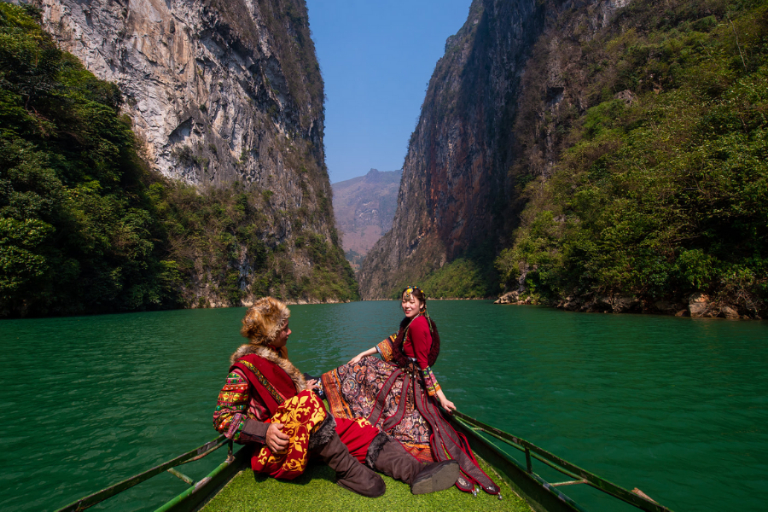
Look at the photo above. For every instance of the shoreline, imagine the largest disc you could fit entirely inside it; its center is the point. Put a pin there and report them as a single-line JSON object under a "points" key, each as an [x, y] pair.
{"points": [[698, 305]]}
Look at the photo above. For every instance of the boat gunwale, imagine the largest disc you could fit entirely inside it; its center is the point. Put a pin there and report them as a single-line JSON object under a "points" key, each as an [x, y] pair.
{"points": [[208, 487], [198, 453], [465, 424]]}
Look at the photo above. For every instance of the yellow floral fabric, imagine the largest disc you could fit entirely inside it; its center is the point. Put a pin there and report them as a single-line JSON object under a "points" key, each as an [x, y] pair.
{"points": [[300, 416]]}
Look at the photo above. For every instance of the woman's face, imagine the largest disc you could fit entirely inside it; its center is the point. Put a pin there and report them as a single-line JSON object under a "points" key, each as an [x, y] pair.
{"points": [[411, 305], [282, 337]]}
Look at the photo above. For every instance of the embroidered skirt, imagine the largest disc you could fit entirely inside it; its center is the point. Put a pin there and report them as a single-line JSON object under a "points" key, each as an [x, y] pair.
{"points": [[352, 390]]}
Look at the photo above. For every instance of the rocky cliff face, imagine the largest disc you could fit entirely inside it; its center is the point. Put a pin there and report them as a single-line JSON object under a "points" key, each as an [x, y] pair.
{"points": [[208, 75], [221, 93], [456, 184], [364, 208]]}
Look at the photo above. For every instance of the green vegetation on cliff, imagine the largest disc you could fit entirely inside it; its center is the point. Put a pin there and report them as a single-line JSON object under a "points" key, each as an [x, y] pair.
{"points": [[217, 241], [77, 230], [660, 189], [86, 228], [460, 278]]}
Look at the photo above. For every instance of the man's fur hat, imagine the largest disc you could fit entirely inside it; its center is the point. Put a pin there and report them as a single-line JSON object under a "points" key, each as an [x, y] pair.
{"points": [[264, 320], [261, 325]]}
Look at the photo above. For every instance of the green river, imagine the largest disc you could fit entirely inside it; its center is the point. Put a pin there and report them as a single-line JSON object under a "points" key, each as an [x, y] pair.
{"points": [[675, 406]]}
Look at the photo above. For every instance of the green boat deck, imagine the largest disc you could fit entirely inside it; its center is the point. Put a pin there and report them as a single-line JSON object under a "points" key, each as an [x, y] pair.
{"points": [[229, 487], [316, 490]]}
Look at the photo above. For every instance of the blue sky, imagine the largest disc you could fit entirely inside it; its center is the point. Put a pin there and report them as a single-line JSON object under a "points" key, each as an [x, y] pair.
{"points": [[376, 58]]}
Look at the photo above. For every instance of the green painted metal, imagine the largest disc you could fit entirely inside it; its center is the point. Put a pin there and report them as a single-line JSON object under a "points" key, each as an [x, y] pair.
{"points": [[532, 488], [196, 454], [181, 476], [206, 488], [561, 465]]}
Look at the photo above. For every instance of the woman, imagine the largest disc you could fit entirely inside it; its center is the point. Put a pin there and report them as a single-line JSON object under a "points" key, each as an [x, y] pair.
{"points": [[267, 402], [400, 394]]}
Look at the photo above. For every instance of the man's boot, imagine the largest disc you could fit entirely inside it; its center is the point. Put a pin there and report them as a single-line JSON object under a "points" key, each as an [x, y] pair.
{"points": [[350, 474], [388, 456]]}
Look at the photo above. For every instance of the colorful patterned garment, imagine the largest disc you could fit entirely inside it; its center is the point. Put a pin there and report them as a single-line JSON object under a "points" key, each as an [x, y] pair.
{"points": [[259, 389], [351, 391], [400, 399], [235, 405]]}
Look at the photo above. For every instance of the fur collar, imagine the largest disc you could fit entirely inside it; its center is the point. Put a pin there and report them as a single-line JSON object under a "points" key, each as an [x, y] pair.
{"points": [[270, 355]]}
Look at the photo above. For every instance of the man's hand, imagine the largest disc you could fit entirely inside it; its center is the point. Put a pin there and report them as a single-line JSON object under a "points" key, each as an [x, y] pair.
{"points": [[276, 440]]}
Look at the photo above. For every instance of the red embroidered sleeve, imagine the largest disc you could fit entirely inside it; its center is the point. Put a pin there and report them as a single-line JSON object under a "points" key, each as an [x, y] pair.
{"points": [[385, 348], [232, 406]]}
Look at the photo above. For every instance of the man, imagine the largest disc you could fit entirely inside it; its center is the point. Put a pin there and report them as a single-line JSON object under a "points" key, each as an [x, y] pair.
{"points": [[266, 401]]}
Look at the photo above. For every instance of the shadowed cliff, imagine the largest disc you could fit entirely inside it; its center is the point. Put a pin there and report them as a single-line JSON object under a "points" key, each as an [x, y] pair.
{"points": [[451, 193]]}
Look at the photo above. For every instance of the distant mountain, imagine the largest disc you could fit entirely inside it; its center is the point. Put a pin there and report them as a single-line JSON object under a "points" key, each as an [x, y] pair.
{"points": [[365, 207]]}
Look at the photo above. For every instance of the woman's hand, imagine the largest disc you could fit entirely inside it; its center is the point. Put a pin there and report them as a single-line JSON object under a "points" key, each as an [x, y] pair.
{"points": [[361, 355], [447, 405], [444, 402], [275, 439], [312, 384]]}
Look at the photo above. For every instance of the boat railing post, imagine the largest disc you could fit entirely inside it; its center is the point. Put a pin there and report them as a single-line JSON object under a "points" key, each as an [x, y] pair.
{"points": [[230, 456], [528, 462]]}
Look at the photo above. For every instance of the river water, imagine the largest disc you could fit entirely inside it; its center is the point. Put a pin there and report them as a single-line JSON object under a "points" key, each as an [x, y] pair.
{"points": [[675, 406]]}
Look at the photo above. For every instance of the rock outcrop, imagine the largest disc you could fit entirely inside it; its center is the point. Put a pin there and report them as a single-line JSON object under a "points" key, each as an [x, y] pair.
{"points": [[513, 298], [219, 91], [700, 305]]}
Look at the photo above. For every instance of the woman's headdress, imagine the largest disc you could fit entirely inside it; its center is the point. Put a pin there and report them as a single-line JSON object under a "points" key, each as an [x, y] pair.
{"points": [[421, 296]]}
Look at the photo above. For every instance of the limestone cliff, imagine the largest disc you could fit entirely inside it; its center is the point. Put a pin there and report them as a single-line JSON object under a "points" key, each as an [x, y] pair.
{"points": [[221, 93], [456, 184]]}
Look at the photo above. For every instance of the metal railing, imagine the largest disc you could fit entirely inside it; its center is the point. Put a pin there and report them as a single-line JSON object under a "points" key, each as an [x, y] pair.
{"points": [[190, 456], [578, 475]]}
